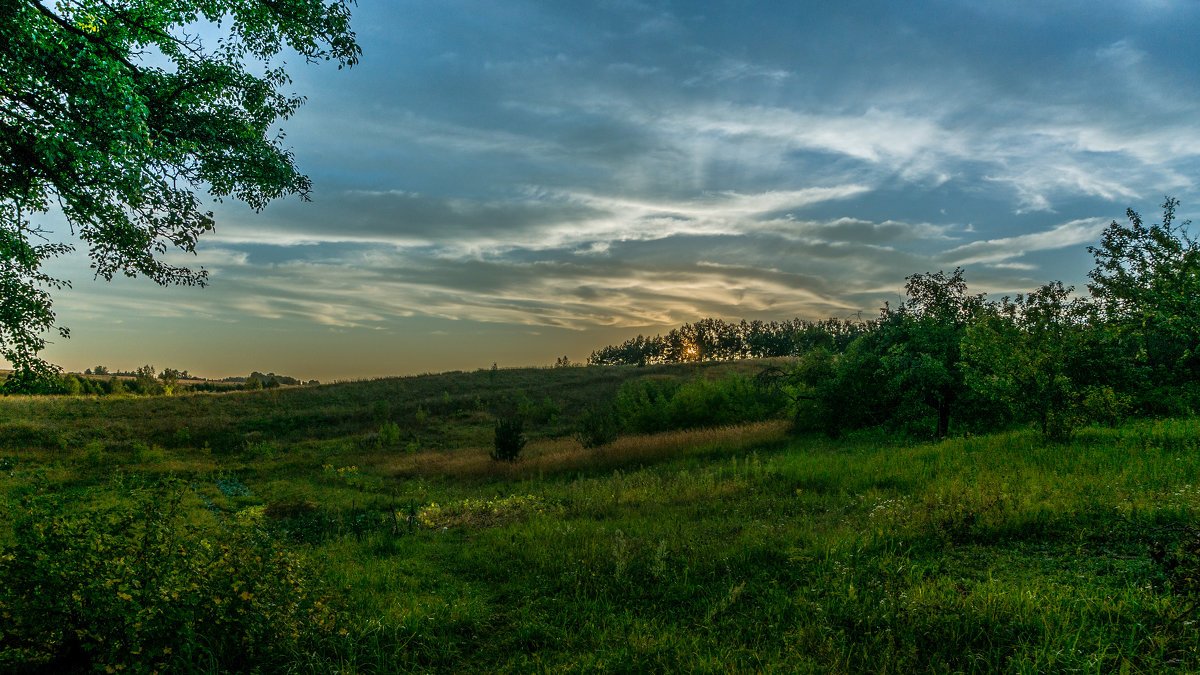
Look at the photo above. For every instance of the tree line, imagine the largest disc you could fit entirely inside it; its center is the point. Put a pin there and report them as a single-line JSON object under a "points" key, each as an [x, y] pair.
{"points": [[719, 340], [946, 359], [147, 381]]}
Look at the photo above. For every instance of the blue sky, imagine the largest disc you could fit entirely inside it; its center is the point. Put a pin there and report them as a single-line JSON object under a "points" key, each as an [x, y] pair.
{"points": [[512, 182]]}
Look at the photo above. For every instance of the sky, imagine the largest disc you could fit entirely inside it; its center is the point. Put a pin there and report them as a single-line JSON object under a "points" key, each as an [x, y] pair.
{"points": [[517, 181]]}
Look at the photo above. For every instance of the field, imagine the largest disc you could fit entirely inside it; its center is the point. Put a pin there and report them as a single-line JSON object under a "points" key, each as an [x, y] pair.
{"points": [[297, 530]]}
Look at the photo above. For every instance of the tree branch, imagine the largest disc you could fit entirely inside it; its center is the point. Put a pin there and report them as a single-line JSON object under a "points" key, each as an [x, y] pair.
{"points": [[74, 30]]}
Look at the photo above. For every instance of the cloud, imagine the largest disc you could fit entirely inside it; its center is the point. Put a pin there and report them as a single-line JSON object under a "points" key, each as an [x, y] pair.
{"points": [[1072, 233], [622, 165]]}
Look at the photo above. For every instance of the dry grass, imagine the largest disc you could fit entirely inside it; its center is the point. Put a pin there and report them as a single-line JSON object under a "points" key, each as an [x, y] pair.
{"points": [[564, 455]]}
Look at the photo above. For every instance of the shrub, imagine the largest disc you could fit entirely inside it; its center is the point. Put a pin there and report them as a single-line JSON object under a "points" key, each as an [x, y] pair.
{"points": [[389, 434], [546, 412], [509, 440], [138, 589], [642, 405], [649, 406], [596, 426]]}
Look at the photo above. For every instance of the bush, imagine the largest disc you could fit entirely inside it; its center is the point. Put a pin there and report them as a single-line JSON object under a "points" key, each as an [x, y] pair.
{"points": [[546, 412], [649, 406], [389, 434], [509, 440], [137, 589], [596, 426]]}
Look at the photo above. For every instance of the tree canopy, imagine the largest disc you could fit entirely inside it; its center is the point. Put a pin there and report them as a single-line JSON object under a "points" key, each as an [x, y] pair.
{"points": [[117, 114]]}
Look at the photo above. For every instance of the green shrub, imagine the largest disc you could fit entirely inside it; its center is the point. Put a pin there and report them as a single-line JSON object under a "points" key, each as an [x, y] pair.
{"points": [[509, 440], [258, 449], [93, 455], [596, 426], [643, 405], [389, 434], [546, 412], [137, 589], [652, 405]]}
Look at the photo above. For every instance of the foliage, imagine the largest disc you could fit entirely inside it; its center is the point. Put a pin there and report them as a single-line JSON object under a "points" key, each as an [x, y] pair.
{"points": [[1147, 282], [597, 426], [546, 412], [91, 124], [139, 589], [841, 392], [718, 340], [480, 513], [920, 342], [509, 439], [389, 435], [146, 382], [906, 371], [170, 380], [1024, 354], [649, 405]]}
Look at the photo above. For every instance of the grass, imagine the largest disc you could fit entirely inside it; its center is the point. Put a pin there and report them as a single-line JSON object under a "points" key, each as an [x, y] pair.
{"points": [[739, 549]]}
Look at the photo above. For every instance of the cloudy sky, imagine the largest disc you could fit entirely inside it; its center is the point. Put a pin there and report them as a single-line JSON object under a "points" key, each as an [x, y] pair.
{"points": [[515, 181]]}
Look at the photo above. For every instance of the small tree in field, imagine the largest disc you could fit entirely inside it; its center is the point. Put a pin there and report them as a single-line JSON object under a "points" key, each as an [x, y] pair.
{"points": [[170, 379], [145, 381]]}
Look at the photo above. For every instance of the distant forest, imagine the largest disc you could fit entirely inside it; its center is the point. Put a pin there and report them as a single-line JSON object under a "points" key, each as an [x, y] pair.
{"points": [[720, 340]]}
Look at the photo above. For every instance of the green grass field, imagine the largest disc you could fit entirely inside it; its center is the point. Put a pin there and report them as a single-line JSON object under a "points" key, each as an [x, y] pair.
{"points": [[741, 549]]}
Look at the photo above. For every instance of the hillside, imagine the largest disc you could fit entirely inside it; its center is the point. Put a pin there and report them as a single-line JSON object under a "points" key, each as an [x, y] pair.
{"points": [[458, 408], [284, 530]]}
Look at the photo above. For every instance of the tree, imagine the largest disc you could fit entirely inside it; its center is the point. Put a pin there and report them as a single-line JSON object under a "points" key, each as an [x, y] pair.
{"points": [[145, 381], [170, 379], [1147, 282], [1024, 355], [920, 341], [115, 112], [904, 369]]}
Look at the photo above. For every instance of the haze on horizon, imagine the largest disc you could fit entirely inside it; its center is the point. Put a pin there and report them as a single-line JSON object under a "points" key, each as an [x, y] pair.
{"points": [[508, 183]]}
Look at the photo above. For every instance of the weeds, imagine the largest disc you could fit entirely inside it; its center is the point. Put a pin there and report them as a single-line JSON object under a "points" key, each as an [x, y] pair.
{"points": [[139, 590]]}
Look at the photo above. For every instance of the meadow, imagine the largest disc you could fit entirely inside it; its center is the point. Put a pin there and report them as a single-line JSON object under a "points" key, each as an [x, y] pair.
{"points": [[363, 528]]}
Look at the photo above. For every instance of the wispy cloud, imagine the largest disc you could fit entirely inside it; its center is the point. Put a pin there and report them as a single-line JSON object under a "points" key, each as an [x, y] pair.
{"points": [[1073, 233]]}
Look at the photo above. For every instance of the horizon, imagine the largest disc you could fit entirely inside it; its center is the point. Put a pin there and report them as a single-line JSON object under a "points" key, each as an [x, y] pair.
{"points": [[511, 184]]}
